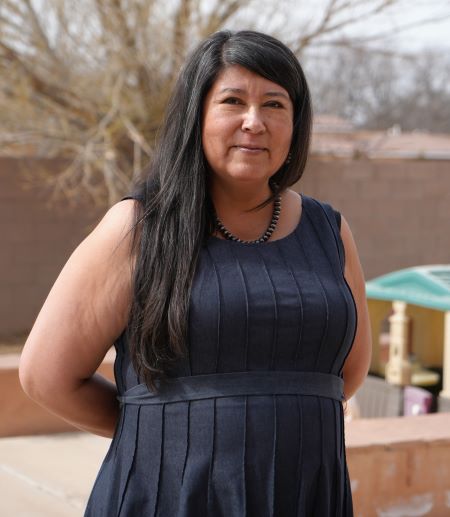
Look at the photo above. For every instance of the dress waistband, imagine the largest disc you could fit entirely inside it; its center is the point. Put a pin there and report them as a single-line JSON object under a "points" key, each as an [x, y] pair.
{"points": [[230, 384]]}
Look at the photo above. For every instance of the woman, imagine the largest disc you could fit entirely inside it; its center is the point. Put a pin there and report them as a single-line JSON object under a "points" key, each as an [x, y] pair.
{"points": [[236, 306]]}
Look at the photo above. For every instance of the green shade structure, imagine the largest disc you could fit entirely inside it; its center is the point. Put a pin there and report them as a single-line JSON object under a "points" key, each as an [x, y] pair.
{"points": [[425, 286]]}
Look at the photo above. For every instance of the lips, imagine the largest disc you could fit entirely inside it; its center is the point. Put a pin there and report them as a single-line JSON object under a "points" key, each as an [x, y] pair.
{"points": [[250, 148]]}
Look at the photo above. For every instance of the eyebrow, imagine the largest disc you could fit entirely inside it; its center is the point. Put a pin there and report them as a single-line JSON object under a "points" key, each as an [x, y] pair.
{"points": [[266, 94]]}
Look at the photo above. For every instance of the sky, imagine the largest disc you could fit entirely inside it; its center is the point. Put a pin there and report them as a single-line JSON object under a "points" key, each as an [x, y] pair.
{"points": [[434, 35]]}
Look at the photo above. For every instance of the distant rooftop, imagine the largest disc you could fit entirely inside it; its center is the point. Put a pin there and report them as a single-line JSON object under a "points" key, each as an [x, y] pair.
{"points": [[332, 124], [426, 286], [335, 136]]}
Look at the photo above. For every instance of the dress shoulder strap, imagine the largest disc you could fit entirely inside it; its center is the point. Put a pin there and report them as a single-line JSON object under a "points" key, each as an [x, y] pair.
{"points": [[334, 220]]}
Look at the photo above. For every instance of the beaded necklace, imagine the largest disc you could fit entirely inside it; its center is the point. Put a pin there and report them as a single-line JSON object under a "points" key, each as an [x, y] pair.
{"points": [[266, 235]]}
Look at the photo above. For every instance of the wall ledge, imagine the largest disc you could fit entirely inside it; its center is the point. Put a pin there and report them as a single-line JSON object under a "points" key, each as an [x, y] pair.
{"points": [[21, 415], [384, 432], [362, 433]]}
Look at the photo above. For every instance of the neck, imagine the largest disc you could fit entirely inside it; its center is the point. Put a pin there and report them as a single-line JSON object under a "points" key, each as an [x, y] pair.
{"points": [[231, 205], [237, 199]]}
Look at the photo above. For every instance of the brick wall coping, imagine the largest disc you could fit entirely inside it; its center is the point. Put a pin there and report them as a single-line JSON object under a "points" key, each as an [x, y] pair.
{"points": [[384, 432], [11, 361], [359, 433]]}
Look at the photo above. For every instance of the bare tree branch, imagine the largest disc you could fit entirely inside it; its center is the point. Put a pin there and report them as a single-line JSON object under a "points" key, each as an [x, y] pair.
{"points": [[219, 17], [89, 80], [329, 23], [40, 35]]}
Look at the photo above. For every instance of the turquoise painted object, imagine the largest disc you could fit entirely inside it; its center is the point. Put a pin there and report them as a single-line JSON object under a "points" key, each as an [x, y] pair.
{"points": [[425, 286]]}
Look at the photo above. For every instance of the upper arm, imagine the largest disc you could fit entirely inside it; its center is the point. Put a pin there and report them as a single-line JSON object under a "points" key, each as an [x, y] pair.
{"points": [[86, 309], [357, 363]]}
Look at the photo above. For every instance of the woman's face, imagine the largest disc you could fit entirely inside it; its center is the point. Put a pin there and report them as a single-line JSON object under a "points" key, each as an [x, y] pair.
{"points": [[247, 126]]}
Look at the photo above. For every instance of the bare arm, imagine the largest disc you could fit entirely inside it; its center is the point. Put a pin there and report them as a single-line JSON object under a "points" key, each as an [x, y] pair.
{"points": [[357, 362], [84, 313]]}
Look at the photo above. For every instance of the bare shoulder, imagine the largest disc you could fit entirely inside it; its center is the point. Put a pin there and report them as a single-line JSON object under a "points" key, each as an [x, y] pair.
{"points": [[290, 213], [110, 243], [108, 247], [294, 202], [87, 307], [293, 197], [116, 224], [353, 268], [102, 262]]}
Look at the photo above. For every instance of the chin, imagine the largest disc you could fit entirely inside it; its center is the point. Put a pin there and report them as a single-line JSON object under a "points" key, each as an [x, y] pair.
{"points": [[250, 174], [250, 178]]}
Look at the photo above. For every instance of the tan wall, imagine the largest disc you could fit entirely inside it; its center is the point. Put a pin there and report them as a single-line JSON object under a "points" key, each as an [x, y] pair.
{"points": [[400, 467], [36, 241], [22, 416], [399, 210]]}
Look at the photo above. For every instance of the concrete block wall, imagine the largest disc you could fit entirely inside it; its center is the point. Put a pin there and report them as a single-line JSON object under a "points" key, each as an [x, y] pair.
{"points": [[36, 241], [400, 467], [398, 210], [22, 416]]}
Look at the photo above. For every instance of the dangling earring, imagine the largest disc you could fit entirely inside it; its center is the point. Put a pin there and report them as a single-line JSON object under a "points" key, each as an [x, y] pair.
{"points": [[288, 159]]}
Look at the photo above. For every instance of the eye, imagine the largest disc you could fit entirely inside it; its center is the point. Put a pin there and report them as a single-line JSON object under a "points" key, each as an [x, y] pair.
{"points": [[274, 104], [232, 100]]}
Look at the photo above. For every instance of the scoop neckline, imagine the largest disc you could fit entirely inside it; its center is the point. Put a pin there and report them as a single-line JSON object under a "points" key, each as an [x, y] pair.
{"points": [[266, 243]]}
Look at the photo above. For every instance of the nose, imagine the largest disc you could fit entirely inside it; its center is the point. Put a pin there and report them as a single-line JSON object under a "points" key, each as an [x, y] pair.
{"points": [[253, 121]]}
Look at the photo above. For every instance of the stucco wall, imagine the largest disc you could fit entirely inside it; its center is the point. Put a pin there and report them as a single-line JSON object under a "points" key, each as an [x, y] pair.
{"points": [[36, 241], [399, 212], [22, 416], [400, 467]]}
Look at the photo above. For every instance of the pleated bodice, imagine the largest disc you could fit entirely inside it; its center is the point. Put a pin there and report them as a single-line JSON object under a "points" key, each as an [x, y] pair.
{"points": [[279, 306]]}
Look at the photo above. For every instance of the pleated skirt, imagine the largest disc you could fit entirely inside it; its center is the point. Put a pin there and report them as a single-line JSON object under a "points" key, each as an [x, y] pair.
{"points": [[255, 456]]}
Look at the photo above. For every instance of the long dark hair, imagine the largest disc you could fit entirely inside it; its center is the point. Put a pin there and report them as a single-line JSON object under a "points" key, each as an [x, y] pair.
{"points": [[174, 217]]}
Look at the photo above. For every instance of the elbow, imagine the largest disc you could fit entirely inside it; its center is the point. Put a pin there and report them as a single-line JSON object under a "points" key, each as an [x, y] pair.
{"points": [[357, 365], [353, 382], [354, 376], [28, 381], [35, 384], [351, 385], [45, 385]]}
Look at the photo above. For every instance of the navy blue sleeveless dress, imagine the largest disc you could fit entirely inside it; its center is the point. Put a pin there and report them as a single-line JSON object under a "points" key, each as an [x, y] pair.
{"points": [[251, 422]]}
